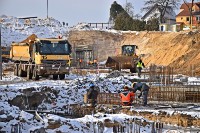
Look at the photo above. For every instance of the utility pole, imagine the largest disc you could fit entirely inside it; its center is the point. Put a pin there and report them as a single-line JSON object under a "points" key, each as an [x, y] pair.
{"points": [[47, 8], [0, 56], [191, 15]]}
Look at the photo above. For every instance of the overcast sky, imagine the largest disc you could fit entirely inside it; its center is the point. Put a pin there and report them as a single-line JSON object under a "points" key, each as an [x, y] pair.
{"points": [[70, 11]]}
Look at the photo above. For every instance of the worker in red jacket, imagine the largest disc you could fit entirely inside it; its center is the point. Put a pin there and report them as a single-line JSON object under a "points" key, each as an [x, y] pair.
{"points": [[127, 96]]}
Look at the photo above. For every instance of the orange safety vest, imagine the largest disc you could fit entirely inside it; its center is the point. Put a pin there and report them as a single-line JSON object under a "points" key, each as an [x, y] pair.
{"points": [[127, 96]]}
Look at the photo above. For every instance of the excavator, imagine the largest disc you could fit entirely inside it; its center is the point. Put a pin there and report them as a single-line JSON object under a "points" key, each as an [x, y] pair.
{"points": [[127, 59]]}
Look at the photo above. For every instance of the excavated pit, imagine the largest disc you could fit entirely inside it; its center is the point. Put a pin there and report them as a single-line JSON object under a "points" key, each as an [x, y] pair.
{"points": [[175, 118], [31, 98]]}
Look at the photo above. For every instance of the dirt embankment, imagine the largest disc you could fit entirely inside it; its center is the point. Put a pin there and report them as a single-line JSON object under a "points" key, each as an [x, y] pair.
{"points": [[180, 50]]}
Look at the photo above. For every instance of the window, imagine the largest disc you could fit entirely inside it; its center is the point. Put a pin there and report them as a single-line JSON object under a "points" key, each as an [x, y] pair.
{"points": [[181, 18], [193, 9], [187, 19], [198, 18]]}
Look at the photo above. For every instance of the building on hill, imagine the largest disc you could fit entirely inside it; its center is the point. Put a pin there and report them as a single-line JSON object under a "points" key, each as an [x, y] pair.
{"points": [[169, 19], [154, 12], [183, 17]]}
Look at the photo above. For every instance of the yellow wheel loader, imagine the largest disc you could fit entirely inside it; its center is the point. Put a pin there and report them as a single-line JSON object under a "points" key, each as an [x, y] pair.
{"points": [[127, 59]]}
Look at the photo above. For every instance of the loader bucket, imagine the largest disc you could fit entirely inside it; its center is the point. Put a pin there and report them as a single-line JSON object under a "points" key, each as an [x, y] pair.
{"points": [[121, 62]]}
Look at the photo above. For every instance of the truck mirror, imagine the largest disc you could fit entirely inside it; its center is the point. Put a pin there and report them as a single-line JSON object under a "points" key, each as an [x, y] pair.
{"points": [[37, 47], [70, 48]]}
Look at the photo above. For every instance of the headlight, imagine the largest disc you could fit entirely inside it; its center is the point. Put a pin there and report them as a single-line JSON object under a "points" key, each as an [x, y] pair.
{"points": [[41, 67], [67, 67]]}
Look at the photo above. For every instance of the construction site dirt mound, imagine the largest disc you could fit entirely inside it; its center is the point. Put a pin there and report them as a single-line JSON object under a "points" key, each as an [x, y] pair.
{"points": [[180, 50], [114, 74], [29, 39]]}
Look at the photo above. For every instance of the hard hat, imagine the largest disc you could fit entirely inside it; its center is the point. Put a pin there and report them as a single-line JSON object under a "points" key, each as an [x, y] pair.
{"points": [[125, 87], [91, 85], [133, 84]]}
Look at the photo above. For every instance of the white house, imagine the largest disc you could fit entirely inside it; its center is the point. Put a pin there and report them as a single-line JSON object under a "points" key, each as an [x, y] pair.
{"points": [[154, 12]]}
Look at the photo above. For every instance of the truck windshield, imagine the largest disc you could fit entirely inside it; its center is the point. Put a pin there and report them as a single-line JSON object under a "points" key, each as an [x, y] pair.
{"points": [[54, 48], [5, 52]]}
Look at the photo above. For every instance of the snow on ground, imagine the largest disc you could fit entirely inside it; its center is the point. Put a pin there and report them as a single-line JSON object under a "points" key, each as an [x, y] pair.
{"points": [[15, 29], [70, 91]]}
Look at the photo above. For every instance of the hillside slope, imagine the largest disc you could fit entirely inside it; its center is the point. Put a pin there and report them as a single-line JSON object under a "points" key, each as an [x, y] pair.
{"points": [[176, 49]]}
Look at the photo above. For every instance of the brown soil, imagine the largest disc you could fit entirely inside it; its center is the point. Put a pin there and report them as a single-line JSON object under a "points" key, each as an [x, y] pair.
{"points": [[29, 39], [176, 49]]}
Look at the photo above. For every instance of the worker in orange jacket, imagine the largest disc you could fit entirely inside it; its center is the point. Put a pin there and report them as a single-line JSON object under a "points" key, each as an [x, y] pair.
{"points": [[127, 96]]}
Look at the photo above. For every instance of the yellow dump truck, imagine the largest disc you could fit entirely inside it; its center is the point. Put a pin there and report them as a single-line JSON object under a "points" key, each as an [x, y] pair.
{"points": [[41, 57]]}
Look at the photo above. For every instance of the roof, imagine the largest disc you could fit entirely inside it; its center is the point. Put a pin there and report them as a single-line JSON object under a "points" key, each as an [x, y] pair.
{"points": [[184, 6], [186, 12], [153, 8]]}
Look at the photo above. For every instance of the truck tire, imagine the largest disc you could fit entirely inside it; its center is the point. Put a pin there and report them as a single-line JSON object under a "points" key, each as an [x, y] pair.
{"points": [[16, 70], [133, 70], [35, 76], [62, 76], [21, 73], [55, 77], [29, 73]]}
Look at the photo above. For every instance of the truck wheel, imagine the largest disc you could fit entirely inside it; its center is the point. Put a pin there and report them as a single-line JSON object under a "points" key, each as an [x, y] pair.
{"points": [[21, 73], [55, 77], [29, 74], [132, 70], [35, 76], [16, 70], [62, 76]]}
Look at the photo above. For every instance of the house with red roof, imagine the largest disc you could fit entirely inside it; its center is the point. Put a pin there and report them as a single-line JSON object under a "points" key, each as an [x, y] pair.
{"points": [[183, 17]]}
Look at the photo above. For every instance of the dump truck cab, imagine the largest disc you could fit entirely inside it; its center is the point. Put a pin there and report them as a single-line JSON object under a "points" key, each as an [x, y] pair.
{"points": [[52, 56]]}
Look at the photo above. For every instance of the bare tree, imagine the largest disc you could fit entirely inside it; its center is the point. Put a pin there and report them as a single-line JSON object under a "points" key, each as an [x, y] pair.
{"points": [[162, 6], [190, 5], [129, 9]]}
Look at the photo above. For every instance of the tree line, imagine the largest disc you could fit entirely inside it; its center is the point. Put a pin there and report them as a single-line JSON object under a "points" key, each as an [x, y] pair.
{"points": [[124, 18]]}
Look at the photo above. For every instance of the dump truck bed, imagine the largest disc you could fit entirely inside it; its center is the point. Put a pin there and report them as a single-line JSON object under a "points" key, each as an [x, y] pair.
{"points": [[20, 51]]}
